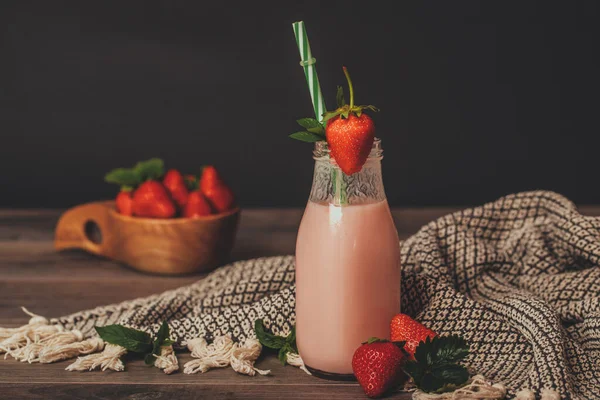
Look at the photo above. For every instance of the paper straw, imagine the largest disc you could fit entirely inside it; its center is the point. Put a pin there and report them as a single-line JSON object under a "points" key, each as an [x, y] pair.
{"points": [[307, 61]]}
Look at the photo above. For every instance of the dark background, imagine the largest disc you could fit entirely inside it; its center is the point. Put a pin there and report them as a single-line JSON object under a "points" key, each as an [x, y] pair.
{"points": [[478, 98]]}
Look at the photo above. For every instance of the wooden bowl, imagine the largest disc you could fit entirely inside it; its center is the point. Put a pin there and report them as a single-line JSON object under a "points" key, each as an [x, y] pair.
{"points": [[161, 246]]}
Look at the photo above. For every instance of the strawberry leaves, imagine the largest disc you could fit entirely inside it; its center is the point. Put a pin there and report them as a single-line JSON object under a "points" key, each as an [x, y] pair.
{"points": [[136, 341], [436, 365], [315, 131], [344, 110], [284, 345]]}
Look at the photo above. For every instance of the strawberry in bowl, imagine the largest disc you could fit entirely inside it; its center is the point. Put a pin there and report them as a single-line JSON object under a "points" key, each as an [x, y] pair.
{"points": [[160, 222]]}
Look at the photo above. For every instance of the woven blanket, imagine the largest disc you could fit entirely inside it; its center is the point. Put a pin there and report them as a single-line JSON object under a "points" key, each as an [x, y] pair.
{"points": [[518, 278]]}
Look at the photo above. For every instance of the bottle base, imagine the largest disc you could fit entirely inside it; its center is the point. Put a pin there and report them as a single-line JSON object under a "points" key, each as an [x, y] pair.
{"points": [[331, 376]]}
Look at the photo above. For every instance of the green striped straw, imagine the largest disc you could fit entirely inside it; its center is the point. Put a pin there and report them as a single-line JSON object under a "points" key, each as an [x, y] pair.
{"points": [[307, 61]]}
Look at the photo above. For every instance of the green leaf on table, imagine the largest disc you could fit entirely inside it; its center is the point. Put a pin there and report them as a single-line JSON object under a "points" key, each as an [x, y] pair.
{"points": [[153, 168], [291, 340], [308, 137], [282, 355], [267, 339], [123, 177], [149, 359], [131, 339], [339, 97], [161, 339], [436, 365], [284, 345]]}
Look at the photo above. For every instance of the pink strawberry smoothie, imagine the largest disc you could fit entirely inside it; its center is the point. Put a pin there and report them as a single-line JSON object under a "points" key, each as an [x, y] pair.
{"points": [[347, 281]]}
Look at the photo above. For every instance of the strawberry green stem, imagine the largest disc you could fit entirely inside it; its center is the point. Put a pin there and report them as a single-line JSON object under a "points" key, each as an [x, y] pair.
{"points": [[349, 87]]}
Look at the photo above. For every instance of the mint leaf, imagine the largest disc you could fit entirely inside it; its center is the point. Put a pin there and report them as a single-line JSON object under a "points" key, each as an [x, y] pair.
{"points": [[282, 356], [283, 352], [450, 349], [435, 367], [290, 340], [267, 339], [308, 137], [150, 169], [149, 359], [161, 336], [131, 339], [308, 123], [123, 177], [339, 97], [161, 339], [454, 373], [430, 383]]}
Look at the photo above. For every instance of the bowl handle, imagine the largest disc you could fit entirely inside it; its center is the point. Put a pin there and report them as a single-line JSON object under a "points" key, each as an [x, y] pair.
{"points": [[78, 228]]}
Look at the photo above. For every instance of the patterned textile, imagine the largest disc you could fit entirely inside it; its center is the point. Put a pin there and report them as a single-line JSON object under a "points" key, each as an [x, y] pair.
{"points": [[518, 278]]}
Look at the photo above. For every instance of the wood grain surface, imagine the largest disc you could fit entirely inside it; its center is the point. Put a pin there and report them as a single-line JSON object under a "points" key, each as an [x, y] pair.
{"points": [[51, 283]]}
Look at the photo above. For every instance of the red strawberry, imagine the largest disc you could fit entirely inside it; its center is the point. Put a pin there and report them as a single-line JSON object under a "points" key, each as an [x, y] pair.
{"points": [[196, 206], [405, 329], [124, 203], [152, 200], [377, 365], [215, 190], [350, 133], [175, 184]]}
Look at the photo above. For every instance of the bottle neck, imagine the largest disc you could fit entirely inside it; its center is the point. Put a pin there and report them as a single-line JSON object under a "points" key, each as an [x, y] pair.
{"points": [[332, 186]]}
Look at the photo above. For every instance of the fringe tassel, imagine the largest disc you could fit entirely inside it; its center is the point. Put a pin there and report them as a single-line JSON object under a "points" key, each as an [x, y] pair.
{"points": [[244, 356], [214, 355], [110, 358], [223, 352], [525, 394], [31, 352], [295, 360], [546, 394], [38, 341], [167, 361], [35, 321], [549, 394], [30, 333], [478, 388], [66, 351]]}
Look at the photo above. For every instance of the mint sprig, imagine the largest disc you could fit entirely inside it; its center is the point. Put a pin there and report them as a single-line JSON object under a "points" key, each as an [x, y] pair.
{"points": [[136, 341], [314, 131], [436, 365], [130, 178], [284, 345]]}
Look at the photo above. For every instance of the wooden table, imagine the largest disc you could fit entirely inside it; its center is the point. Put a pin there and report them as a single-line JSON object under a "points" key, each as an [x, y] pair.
{"points": [[48, 283]]}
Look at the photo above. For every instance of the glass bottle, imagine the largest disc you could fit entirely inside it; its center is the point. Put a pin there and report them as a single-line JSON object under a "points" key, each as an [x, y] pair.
{"points": [[347, 265]]}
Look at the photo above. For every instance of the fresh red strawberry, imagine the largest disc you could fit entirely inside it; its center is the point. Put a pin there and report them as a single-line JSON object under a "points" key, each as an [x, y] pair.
{"points": [[350, 133], [405, 329], [152, 200], [124, 203], [377, 365], [197, 205], [219, 195], [175, 184]]}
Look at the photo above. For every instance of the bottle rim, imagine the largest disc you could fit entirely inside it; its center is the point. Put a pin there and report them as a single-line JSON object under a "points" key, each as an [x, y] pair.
{"points": [[322, 152]]}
